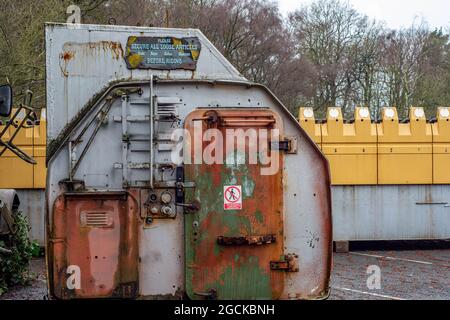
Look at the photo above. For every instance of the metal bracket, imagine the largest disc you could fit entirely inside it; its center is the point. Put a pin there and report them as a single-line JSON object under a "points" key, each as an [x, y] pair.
{"points": [[289, 264], [289, 145], [179, 186], [247, 241], [73, 185]]}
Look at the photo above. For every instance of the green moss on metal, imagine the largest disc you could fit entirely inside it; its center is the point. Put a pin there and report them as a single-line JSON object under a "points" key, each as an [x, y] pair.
{"points": [[245, 281], [236, 225], [242, 277], [259, 216]]}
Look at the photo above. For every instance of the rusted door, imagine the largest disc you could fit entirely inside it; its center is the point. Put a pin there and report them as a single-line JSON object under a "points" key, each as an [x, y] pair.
{"points": [[234, 226], [94, 246]]}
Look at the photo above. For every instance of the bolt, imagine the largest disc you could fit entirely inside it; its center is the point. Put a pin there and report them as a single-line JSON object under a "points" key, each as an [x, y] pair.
{"points": [[153, 198], [166, 198], [167, 211], [154, 210]]}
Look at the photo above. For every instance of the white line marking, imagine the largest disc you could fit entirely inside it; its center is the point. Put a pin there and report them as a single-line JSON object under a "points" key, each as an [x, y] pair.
{"points": [[369, 293], [391, 258]]}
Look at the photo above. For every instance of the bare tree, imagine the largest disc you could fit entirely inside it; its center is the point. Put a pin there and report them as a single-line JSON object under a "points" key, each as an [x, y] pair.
{"points": [[22, 52], [404, 53], [326, 54], [328, 34], [432, 88]]}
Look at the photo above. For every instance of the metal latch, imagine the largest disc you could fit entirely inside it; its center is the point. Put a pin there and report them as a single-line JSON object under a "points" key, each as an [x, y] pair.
{"points": [[288, 145], [247, 241], [289, 264], [179, 187], [190, 208]]}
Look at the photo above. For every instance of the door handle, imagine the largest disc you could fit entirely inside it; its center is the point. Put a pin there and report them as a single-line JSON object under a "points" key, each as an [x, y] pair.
{"points": [[190, 208], [247, 240]]}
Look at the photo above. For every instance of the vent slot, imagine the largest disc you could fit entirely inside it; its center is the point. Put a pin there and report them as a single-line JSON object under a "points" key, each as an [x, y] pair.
{"points": [[96, 219], [167, 110], [167, 106]]}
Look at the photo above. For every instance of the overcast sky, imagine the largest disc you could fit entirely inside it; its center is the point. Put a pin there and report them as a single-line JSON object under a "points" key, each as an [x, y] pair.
{"points": [[396, 13]]}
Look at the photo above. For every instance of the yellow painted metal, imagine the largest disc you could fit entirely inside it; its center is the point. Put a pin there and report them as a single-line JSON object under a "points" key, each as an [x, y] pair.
{"points": [[441, 147], [388, 153], [351, 148], [16, 173], [308, 123], [405, 154], [39, 153]]}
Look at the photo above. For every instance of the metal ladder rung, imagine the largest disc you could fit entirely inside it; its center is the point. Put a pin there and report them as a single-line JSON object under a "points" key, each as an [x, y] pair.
{"points": [[132, 118], [133, 165], [142, 102], [162, 137]]}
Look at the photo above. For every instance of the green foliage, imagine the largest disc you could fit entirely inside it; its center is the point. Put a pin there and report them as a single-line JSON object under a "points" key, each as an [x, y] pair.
{"points": [[14, 266], [36, 249]]}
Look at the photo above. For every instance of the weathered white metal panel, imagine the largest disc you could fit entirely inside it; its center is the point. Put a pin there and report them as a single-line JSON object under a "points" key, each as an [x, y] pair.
{"points": [[161, 269], [32, 204], [82, 59], [371, 213]]}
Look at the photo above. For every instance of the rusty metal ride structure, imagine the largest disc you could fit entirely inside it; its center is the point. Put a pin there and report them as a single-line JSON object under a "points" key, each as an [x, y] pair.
{"points": [[127, 221], [390, 178]]}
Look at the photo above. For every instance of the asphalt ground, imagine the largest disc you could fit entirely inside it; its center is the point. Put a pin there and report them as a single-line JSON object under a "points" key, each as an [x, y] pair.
{"points": [[403, 270], [404, 273]]}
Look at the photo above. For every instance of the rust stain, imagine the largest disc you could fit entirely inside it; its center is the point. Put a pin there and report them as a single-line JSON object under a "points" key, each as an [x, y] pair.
{"points": [[72, 50], [68, 55], [114, 47], [107, 255], [65, 57]]}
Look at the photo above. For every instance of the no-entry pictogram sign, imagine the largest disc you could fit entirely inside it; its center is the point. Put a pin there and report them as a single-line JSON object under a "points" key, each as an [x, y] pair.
{"points": [[232, 198]]}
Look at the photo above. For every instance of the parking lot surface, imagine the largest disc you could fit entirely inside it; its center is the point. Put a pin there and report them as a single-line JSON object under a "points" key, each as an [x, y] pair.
{"points": [[405, 273]]}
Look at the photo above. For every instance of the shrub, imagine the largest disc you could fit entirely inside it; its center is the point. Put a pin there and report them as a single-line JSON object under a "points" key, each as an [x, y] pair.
{"points": [[14, 266]]}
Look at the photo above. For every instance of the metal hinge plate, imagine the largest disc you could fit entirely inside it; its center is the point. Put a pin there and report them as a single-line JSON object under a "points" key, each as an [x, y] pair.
{"points": [[289, 264], [289, 145]]}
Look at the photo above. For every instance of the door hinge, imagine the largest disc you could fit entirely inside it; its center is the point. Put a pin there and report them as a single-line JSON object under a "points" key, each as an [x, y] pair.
{"points": [[288, 264], [289, 145], [210, 295]]}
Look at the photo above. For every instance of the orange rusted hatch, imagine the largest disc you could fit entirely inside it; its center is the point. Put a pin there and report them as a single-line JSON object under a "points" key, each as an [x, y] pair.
{"points": [[234, 227], [94, 245]]}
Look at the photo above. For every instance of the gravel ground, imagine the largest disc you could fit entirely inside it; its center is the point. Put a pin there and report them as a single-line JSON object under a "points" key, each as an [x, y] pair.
{"points": [[405, 274], [37, 290]]}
